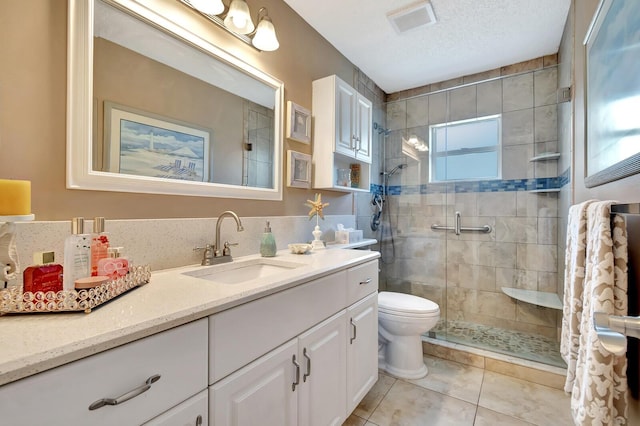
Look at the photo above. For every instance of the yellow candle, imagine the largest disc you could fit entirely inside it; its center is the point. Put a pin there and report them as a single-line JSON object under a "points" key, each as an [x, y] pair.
{"points": [[15, 197]]}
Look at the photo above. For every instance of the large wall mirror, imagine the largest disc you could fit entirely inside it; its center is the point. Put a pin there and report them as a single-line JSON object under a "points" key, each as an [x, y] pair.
{"points": [[154, 107]]}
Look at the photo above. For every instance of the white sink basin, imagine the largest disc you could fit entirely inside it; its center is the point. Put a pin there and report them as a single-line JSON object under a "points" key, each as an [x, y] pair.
{"points": [[244, 270]]}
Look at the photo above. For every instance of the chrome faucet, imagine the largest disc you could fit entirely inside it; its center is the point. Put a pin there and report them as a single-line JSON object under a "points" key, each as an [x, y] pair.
{"points": [[224, 254]]}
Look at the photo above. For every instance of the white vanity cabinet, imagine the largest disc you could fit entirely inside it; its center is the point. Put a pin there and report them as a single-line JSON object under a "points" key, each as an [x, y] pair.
{"points": [[305, 379], [193, 412], [146, 378], [342, 133]]}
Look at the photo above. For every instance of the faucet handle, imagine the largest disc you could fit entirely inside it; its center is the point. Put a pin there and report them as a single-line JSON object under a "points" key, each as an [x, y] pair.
{"points": [[226, 251], [208, 254]]}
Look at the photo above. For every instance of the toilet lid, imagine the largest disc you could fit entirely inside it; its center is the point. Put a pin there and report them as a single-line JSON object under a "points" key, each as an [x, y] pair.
{"points": [[400, 302]]}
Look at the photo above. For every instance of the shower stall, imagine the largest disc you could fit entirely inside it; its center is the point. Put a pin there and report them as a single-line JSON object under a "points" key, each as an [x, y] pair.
{"points": [[466, 210]]}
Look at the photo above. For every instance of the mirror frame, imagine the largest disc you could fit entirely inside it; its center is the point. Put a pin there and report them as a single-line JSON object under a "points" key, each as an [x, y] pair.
{"points": [[80, 110]]}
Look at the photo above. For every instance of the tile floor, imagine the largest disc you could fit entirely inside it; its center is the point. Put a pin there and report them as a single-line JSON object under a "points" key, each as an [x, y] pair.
{"points": [[459, 394]]}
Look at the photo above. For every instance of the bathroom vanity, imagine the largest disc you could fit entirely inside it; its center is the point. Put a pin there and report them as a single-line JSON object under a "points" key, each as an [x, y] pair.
{"points": [[290, 340]]}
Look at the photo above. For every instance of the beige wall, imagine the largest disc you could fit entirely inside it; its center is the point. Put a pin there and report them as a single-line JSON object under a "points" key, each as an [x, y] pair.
{"points": [[33, 103]]}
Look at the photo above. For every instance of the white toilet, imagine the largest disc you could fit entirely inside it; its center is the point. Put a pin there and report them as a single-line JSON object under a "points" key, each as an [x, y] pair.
{"points": [[402, 319]]}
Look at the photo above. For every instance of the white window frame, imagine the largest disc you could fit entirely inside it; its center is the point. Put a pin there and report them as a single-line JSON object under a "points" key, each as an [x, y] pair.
{"points": [[433, 154]]}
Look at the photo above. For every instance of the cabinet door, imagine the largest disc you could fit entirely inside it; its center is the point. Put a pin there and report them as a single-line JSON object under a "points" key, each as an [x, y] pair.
{"points": [[323, 391], [364, 126], [192, 412], [260, 393], [362, 350], [345, 142]]}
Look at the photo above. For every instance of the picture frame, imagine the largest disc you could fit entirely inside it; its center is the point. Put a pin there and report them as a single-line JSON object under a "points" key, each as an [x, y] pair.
{"points": [[146, 144], [298, 123], [612, 93], [298, 170]]}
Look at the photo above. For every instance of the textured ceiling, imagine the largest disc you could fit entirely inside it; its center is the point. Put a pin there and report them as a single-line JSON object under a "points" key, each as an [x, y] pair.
{"points": [[470, 36]]}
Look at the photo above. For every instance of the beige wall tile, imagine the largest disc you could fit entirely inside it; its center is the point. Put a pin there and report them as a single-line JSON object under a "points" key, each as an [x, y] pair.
{"points": [[517, 127], [489, 98], [545, 85], [463, 103], [418, 111], [517, 92], [545, 123], [397, 115], [497, 204], [438, 108], [515, 162], [516, 278], [537, 257], [541, 205], [529, 65], [517, 229]]}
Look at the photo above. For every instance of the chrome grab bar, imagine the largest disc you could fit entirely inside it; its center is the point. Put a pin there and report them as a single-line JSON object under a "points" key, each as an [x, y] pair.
{"points": [[458, 228]]}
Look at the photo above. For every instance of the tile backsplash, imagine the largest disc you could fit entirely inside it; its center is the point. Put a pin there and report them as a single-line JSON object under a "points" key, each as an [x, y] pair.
{"points": [[170, 243]]}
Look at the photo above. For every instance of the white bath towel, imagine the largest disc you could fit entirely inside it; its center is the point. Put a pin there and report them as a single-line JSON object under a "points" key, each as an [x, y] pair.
{"points": [[574, 270], [599, 394]]}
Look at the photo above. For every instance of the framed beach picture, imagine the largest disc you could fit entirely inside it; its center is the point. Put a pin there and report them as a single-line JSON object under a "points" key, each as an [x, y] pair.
{"points": [[145, 144], [298, 123], [612, 93], [298, 169]]}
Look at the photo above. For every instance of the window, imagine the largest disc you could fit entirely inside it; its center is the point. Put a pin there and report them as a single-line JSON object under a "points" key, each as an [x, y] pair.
{"points": [[465, 150]]}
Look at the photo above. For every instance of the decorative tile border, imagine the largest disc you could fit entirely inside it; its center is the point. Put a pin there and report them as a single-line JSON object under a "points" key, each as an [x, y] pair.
{"points": [[477, 186]]}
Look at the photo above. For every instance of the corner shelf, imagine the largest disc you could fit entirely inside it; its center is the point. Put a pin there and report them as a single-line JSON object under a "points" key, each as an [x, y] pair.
{"points": [[540, 191], [547, 156], [539, 298]]}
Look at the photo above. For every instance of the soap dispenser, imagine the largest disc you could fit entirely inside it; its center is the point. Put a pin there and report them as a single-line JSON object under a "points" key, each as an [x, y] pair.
{"points": [[268, 243]]}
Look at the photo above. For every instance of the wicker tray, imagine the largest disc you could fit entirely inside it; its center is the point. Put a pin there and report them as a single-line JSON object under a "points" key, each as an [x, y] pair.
{"points": [[13, 301]]}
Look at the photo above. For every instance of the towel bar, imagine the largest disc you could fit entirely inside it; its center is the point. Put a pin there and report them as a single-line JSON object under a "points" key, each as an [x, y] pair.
{"points": [[612, 330]]}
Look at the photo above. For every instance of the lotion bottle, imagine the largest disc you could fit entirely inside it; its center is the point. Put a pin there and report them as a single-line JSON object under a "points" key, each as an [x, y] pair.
{"points": [[268, 243], [77, 254], [99, 244]]}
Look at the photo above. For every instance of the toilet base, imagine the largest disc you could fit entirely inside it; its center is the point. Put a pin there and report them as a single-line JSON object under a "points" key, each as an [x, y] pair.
{"points": [[403, 358]]}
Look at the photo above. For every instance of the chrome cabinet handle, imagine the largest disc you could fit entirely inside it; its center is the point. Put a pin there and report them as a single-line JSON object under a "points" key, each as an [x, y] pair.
{"points": [[308, 373], [127, 396], [365, 282], [199, 420], [355, 329], [297, 382], [458, 220]]}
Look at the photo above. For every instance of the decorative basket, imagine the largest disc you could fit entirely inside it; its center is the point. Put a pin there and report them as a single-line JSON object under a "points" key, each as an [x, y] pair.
{"points": [[14, 301]]}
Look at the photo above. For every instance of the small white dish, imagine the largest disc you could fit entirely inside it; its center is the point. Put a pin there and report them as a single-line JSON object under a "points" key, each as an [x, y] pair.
{"points": [[299, 248]]}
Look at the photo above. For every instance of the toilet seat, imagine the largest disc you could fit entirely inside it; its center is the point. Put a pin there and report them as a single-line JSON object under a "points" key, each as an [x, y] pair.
{"points": [[401, 304]]}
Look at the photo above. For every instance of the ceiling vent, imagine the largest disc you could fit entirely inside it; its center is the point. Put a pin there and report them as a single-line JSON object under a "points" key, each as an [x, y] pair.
{"points": [[413, 16]]}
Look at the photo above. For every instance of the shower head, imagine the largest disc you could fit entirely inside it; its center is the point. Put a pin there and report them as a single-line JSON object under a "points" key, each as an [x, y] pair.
{"points": [[394, 170], [381, 129]]}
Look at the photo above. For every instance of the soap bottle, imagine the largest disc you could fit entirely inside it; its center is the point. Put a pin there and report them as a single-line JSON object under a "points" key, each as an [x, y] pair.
{"points": [[114, 265], [99, 244], [77, 254], [44, 275], [268, 243]]}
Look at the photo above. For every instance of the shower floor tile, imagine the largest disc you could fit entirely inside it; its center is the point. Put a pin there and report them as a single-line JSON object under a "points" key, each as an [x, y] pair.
{"points": [[515, 343]]}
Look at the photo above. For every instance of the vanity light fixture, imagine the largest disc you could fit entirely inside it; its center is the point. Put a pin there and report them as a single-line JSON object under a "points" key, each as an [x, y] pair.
{"points": [[237, 21]]}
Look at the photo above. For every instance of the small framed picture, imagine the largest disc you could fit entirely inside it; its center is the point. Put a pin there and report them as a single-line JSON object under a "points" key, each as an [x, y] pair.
{"points": [[298, 123], [298, 169]]}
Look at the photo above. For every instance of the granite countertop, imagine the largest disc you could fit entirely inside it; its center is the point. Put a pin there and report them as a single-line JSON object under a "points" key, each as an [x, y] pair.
{"points": [[32, 343]]}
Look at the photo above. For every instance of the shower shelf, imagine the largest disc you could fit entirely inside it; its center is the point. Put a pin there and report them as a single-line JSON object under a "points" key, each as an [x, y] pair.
{"points": [[548, 190], [540, 298], [546, 156]]}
